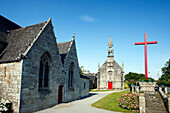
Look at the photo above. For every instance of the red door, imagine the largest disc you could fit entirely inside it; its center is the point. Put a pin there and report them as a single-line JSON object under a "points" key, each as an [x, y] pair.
{"points": [[110, 85], [60, 94]]}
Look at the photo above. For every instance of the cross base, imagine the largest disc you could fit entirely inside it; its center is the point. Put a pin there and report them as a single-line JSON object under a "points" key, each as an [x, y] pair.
{"points": [[147, 86]]}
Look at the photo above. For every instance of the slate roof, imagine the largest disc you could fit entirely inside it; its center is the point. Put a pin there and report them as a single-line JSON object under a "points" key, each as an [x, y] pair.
{"points": [[18, 41], [114, 63], [5, 26], [63, 49], [83, 76], [8, 24]]}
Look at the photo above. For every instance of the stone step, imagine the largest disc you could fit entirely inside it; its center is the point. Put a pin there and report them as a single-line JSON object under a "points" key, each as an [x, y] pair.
{"points": [[156, 107], [155, 111], [151, 95], [153, 98], [154, 103]]}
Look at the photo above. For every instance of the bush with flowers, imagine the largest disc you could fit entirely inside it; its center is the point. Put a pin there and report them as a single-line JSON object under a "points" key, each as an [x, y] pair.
{"points": [[5, 106], [129, 101]]}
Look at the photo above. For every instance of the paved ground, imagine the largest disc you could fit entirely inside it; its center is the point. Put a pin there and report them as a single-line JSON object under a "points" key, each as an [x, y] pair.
{"points": [[80, 106]]}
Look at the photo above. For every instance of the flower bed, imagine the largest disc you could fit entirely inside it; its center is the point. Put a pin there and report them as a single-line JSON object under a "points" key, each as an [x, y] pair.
{"points": [[129, 101], [5, 106]]}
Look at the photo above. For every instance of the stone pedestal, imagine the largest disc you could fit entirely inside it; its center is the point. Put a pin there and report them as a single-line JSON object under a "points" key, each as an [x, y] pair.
{"points": [[142, 103], [147, 86]]}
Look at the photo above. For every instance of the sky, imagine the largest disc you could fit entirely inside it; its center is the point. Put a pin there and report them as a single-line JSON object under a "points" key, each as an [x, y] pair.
{"points": [[93, 21]]}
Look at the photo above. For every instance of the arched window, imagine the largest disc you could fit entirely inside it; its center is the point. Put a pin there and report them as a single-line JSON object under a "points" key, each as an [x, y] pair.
{"points": [[44, 71], [71, 72]]}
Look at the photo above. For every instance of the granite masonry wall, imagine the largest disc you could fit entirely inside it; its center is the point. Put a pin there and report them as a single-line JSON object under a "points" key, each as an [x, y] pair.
{"points": [[31, 98], [84, 87], [72, 93], [116, 76], [10, 83]]}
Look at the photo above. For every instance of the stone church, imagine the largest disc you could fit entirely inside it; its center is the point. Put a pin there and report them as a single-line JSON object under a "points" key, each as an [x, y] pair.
{"points": [[110, 74], [36, 72]]}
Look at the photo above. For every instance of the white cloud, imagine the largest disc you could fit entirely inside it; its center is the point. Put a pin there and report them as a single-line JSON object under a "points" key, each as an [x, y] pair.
{"points": [[88, 18]]}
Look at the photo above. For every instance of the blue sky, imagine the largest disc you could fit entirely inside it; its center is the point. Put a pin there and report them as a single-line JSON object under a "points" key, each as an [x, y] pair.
{"points": [[93, 21]]}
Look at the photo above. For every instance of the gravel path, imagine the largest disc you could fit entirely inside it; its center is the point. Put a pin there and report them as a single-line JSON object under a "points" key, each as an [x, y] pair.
{"points": [[80, 106]]}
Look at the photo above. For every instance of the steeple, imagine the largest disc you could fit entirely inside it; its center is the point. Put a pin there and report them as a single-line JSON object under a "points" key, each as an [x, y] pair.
{"points": [[98, 66], [110, 50], [73, 35], [110, 45]]}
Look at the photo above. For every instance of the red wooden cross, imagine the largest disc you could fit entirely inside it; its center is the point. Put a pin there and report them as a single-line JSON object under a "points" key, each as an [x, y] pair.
{"points": [[145, 43]]}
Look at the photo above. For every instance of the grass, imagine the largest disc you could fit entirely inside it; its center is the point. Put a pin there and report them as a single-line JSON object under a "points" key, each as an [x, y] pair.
{"points": [[110, 102], [95, 90]]}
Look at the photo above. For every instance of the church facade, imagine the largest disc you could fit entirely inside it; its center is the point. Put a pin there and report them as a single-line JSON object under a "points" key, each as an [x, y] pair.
{"points": [[35, 71], [110, 74]]}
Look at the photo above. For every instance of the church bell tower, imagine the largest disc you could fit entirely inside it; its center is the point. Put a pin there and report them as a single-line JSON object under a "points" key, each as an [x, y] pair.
{"points": [[110, 51]]}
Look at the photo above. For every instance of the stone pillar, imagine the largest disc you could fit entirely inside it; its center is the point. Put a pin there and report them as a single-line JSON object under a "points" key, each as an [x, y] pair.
{"points": [[137, 89], [142, 103], [133, 89], [168, 96], [166, 91]]}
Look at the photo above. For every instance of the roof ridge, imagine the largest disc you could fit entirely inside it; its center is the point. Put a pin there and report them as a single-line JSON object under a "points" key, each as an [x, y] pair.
{"points": [[29, 26], [64, 42]]}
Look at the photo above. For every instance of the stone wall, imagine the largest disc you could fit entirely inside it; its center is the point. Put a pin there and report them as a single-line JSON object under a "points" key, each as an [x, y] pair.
{"points": [[72, 93], [102, 73], [142, 103], [168, 97], [84, 87], [31, 98], [10, 83], [115, 77]]}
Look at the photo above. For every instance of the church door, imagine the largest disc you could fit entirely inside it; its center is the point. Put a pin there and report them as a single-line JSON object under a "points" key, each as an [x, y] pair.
{"points": [[60, 94], [110, 85]]}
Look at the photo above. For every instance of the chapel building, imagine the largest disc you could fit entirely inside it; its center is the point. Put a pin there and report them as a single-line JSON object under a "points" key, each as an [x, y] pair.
{"points": [[110, 74], [36, 72]]}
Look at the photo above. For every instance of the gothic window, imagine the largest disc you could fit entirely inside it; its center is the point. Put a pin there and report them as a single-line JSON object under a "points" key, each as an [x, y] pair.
{"points": [[71, 72], [44, 71]]}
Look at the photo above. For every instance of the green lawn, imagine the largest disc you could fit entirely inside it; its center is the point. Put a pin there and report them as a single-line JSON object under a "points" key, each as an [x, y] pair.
{"points": [[110, 102]]}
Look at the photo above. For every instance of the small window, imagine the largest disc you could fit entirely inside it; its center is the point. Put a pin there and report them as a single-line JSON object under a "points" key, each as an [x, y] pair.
{"points": [[84, 85]]}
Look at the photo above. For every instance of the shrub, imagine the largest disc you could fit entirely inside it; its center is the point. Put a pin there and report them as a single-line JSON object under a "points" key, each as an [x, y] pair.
{"points": [[141, 91], [5, 106], [129, 101], [126, 86]]}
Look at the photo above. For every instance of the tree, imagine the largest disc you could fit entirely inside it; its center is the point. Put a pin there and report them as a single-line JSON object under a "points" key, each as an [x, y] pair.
{"points": [[165, 78], [81, 70], [134, 76]]}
